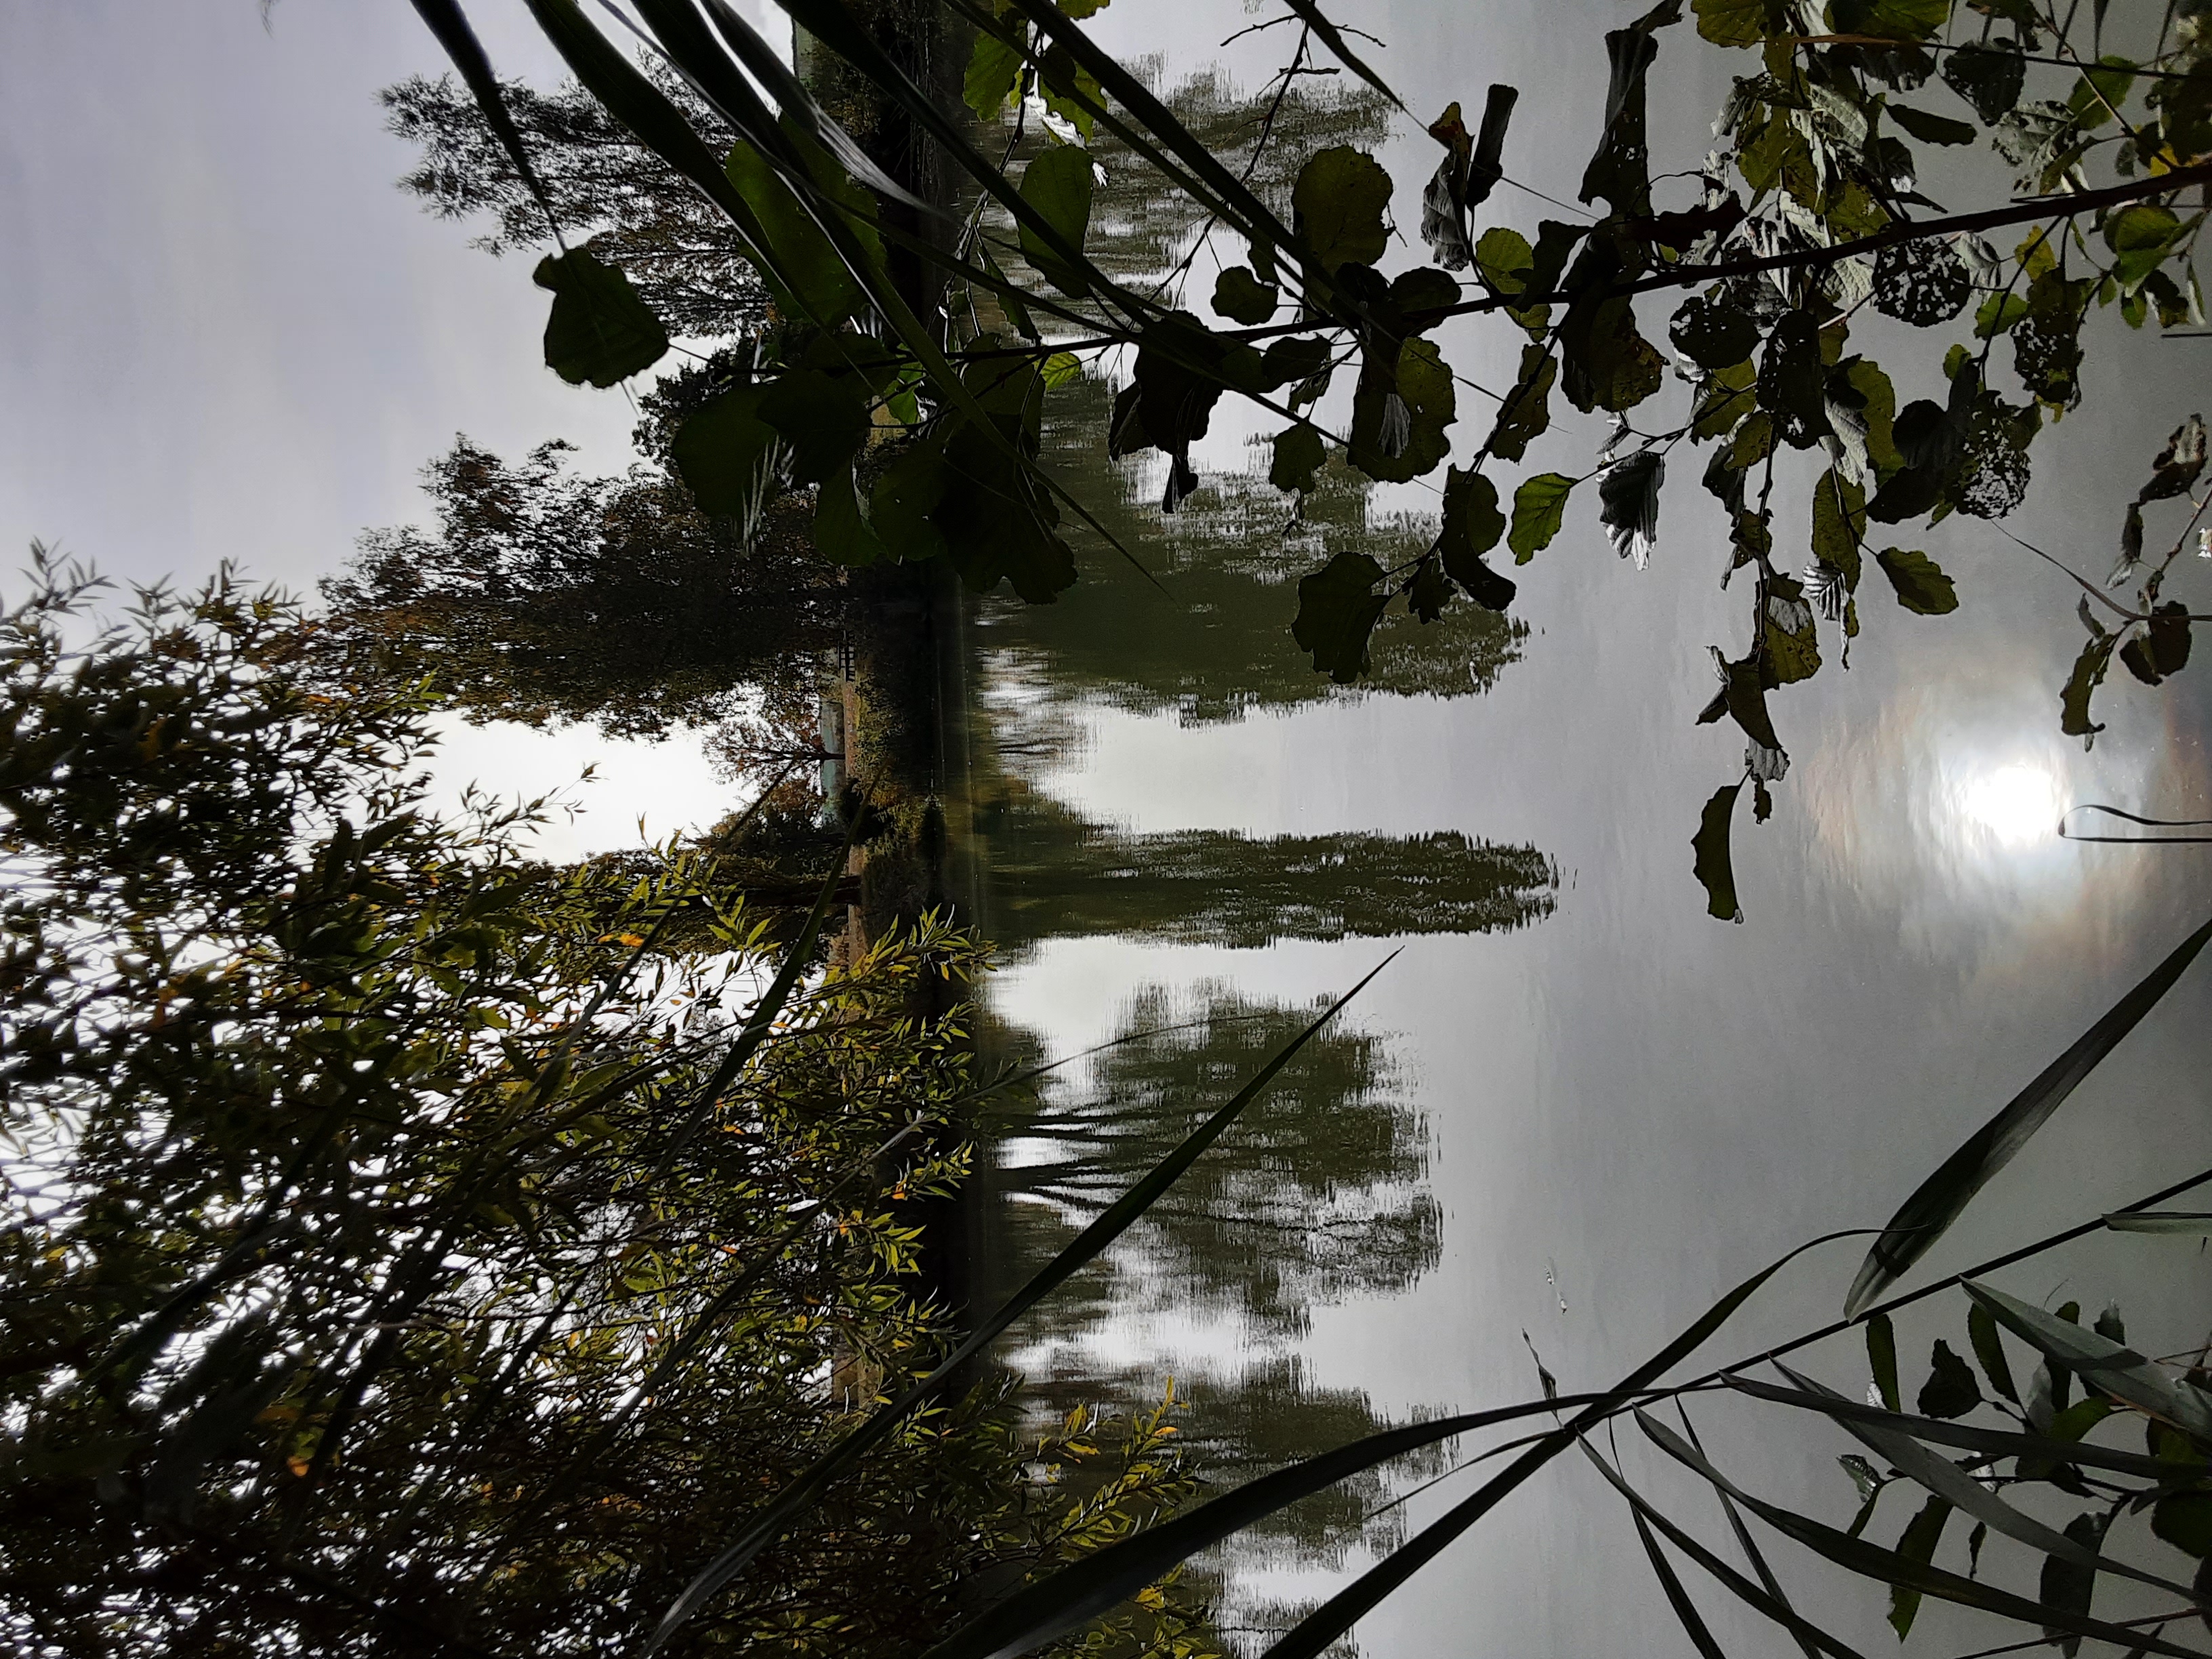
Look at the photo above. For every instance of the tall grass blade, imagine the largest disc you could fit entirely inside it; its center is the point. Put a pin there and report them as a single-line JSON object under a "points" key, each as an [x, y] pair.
{"points": [[2002, 1442], [1869, 1560], [1773, 1607], [1945, 1194], [1744, 1540], [450, 24], [802, 1494], [1319, 1629], [1941, 1476], [1686, 1610], [2195, 1223], [1080, 1592], [2102, 1364]]}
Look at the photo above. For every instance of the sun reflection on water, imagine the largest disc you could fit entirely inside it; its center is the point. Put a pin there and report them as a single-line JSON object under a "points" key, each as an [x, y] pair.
{"points": [[2016, 805]]}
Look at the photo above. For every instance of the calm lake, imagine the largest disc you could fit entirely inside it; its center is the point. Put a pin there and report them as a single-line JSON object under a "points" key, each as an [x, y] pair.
{"points": [[1573, 1107]]}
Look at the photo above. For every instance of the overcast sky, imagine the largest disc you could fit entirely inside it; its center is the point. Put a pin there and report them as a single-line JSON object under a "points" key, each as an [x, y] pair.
{"points": [[227, 334]]}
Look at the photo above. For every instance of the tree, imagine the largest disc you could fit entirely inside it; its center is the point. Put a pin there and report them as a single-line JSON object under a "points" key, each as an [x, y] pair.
{"points": [[403, 1254], [544, 595], [1056, 876], [608, 191]]}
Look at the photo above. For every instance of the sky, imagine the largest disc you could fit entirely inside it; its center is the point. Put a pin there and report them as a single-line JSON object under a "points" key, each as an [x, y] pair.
{"points": [[229, 336]]}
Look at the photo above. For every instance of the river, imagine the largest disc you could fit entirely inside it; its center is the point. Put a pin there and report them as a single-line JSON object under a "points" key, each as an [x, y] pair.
{"points": [[1572, 1109]]}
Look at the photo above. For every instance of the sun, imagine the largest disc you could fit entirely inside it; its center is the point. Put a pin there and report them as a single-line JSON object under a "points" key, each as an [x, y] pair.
{"points": [[2016, 804]]}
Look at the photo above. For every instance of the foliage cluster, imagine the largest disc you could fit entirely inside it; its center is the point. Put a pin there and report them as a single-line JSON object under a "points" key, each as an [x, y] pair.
{"points": [[413, 1248]]}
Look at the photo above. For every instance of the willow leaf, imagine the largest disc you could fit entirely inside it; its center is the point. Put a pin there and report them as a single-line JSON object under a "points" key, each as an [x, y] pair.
{"points": [[2101, 1362], [1944, 1196]]}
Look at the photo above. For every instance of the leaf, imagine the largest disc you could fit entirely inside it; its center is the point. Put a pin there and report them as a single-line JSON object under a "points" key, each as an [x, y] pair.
{"points": [[1892, 20], [1430, 591], [1895, 1567], [1607, 364], [1788, 638], [1299, 452], [1058, 185], [1989, 1349], [1712, 334], [2179, 463], [1505, 261], [2192, 1224], [1711, 864], [2067, 1585], [1918, 1546], [842, 531], [1538, 506], [1096, 1584], [2102, 1362], [2184, 1519], [600, 330], [1628, 504], [801, 1494], [1950, 1390], [1337, 610], [994, 76], [1062, 369], [1526, 412], [1881, 1358], [1686, 1610], [727, 455], [1940, 1199], [1243, 298], [905, 496], [1338, 206], [824, 417], [1422, 385], [1472, 526], [2088, 674], [1988, 78], [1931, 128], [1922, 586], [1737, 22], [806, 272]]}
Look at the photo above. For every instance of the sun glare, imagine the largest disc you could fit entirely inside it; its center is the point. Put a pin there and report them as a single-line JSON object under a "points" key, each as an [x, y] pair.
{"points": [[2017, 805]]}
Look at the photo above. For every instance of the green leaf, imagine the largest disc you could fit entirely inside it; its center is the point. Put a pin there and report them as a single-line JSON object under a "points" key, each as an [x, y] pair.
{"points": [[1058, 185], [1950, 1390], [1788, 636], [1988, 77], [1737, 22], [1608, 364], [1526, 409], [1940, 1199], [824, 417], [2189, 1224], [600, 330], [1898, 1567], [2184, 1519], [905, 495], [1989, 1349], [1429, 591], [2101, 1362], [2088, 674], [1339, 205], [1424, 384], [1712, 334], [1299, 452], [842, 531], [994, 75], [1472, 526], [727, 455], [1932, 129], [1538, 506], [1922, 586], [1243, 298], [809, 276], [1894, 20], [1338, 609], [1881, 1359], [1711, 863], [1424, 288], [1505, 261], [1917, 1548], [1062, 369], [2067, 1585]]}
